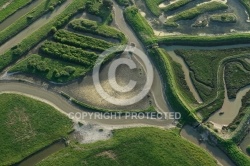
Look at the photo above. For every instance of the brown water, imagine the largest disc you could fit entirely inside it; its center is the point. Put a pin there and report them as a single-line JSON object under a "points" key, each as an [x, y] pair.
{"points": [[193, 136], [39, 156], [231, 108], [21, 12]]}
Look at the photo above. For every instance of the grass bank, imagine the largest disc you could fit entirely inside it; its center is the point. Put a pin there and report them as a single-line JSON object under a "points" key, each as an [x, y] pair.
{"points": [[134, 146], [177, 97], [28, 125]]}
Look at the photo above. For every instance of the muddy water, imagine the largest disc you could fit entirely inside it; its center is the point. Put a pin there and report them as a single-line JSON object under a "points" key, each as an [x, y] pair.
{"points": [[245, 143], [157, 87], [34, 159], [33, 27], [18, 14], [230, 108], [193, 136], [185, 69]]}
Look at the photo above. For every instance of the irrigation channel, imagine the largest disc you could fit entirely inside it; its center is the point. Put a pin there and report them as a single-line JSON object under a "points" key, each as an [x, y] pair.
{"points": [[54, 99]]}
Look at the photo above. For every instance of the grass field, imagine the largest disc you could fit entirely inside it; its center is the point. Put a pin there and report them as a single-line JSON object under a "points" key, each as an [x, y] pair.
{"points": [[194, 12], [27, 125], [88, 26], [11, 8], [134, 146], [153, 6]]}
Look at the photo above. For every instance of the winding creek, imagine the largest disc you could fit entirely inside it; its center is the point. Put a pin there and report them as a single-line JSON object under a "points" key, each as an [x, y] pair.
{"points": [[54, 99]]}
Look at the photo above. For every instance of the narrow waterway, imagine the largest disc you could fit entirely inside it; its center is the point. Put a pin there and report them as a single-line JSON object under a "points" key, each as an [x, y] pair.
{"points": [[46, 152], [18, 14], [157, 87], [186, 71], [193, 136], [230, 108]]}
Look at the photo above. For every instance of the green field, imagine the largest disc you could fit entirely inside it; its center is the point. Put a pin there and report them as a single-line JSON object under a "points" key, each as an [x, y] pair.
{"points": [[134, 146], [194, 12], [28, 125]]}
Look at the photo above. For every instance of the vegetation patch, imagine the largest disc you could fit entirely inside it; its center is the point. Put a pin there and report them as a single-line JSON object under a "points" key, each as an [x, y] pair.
{"points": [[176, 5], [142, 146], [194, 12], [81, 41], [28, 43], [236, 77], [202, 61], [50, 69], [224, 18], [101, 8], [139, 24], [153, 6], [88, 26], [175, 96], [69, 53], [28, 125], [124, 2]]}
